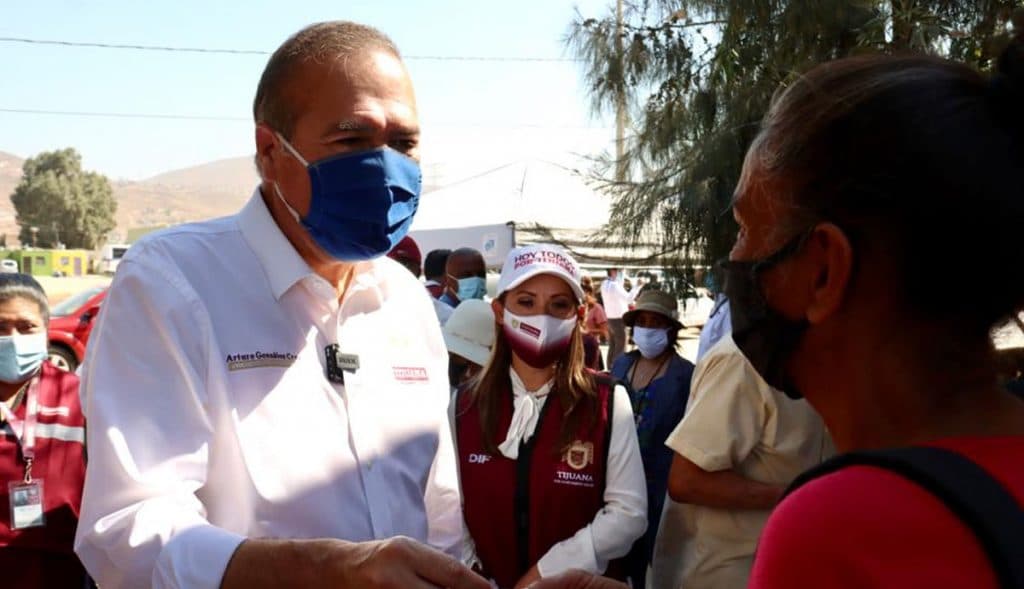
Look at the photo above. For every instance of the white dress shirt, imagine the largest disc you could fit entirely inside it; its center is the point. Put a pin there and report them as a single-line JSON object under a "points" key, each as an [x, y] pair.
{"points": [[615, 299], [623, 519], [211, 419], [719, 323]]}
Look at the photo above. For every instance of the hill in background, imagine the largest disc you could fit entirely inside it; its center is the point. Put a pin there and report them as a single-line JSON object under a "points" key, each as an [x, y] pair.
{"points": [[201, 192]]}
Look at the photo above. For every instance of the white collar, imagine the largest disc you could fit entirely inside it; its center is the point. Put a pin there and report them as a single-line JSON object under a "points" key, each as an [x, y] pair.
{"points": [[526, 408], [519, 389], [282, 265]]}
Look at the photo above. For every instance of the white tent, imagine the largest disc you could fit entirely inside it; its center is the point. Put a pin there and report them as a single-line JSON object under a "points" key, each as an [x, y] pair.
{"points": [[543, 201]]}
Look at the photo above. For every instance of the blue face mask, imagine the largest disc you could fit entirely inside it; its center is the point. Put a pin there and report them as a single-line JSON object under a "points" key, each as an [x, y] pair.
{"points": [[21, 356], [361, 204], [471, 287]]}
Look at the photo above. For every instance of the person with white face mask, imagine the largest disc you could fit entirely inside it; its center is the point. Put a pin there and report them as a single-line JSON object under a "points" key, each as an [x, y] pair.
{"points": [[550, 467], [658, 379], [42, 451]]}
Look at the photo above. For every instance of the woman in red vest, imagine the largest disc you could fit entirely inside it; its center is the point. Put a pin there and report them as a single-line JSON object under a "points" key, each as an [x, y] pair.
{"points": [[550, 467], [42, 453]]}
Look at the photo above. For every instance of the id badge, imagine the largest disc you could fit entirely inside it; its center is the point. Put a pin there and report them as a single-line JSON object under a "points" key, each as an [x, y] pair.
{"points": [[26, 504]]}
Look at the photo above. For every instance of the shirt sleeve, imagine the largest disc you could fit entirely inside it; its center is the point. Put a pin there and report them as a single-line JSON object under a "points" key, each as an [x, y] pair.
{"points": [[443, 498], [725, 417], [623, 519], [145, 400], [633, 294], [621, 292], [468, 556]]}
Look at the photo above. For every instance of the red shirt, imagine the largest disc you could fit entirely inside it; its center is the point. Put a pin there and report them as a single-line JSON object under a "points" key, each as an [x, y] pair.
{"points": [[863, 527], [43, 556], [596, 317]]}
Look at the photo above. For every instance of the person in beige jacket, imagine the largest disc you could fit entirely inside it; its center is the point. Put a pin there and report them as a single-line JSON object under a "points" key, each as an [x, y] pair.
{"points": [[739, 445]]}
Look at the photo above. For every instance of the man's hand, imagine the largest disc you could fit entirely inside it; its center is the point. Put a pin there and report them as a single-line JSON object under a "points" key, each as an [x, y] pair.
{"points": [[385, 564], [578, 580], [529, 578]]}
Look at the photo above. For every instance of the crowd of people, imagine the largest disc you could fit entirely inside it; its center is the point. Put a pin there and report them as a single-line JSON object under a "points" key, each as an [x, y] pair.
{"points": [[295, 397]]}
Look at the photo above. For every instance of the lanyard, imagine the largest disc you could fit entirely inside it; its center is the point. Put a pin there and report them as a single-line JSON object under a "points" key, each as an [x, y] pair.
{"points": [[27, 437]]}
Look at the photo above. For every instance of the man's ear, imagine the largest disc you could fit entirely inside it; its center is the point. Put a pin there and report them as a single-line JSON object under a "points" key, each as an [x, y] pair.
{"points": [[499, 311], [268, 150], [833, 258]]}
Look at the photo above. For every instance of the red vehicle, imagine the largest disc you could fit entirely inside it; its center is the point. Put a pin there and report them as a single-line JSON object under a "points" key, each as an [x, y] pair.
{"points": [[71, 323]]}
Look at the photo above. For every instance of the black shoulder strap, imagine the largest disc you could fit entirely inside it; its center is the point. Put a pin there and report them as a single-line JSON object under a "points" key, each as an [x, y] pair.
{"points": [[606, 381], [978, 500]]}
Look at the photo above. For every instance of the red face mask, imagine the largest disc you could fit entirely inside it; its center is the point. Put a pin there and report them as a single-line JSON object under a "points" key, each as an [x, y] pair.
{"points": [[538, 340]]}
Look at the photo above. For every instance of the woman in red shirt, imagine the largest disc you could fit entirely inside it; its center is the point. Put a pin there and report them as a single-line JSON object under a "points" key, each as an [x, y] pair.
{"points": [[871, 178], [42, 457]]}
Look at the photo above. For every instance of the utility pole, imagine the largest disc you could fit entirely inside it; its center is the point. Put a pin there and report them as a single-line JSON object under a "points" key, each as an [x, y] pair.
{"points": [[620, 99]]}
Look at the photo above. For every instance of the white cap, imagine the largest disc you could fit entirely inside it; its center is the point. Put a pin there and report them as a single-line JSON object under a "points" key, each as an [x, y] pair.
{"points": [[469, 331], [523, 263]]}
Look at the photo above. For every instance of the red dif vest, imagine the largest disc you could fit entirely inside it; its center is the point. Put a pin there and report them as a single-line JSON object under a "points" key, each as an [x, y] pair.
{"points": [[43, 556], [516, 510]]}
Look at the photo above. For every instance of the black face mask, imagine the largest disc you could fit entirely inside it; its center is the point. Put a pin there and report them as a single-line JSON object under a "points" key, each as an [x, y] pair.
{"points": [[765, 336]]}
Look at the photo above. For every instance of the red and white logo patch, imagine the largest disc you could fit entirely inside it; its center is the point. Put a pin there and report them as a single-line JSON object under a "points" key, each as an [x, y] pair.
{"points": [[529, 330], [409, 374]]}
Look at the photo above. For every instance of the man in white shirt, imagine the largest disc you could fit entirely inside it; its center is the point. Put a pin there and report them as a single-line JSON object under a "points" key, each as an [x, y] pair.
{"points": [[266, 393], [616, 301]]}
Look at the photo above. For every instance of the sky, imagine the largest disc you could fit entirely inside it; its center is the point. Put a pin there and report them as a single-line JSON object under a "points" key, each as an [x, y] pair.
{"points": [[474, 114]]}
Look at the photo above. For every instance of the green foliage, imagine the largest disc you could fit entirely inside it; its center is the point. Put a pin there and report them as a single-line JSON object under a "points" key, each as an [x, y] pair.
{"points": [[65, 204], [698, 76]]}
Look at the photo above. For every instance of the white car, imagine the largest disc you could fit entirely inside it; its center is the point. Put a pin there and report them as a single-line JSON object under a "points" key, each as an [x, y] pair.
{"points": [[9, 266]]}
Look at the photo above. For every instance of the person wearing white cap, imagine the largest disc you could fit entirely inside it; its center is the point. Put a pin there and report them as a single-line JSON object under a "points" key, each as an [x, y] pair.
{"points": [[469, 337], [549, 463]]}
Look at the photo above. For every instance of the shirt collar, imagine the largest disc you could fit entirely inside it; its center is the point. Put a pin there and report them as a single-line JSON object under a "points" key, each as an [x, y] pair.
{"points": [[518, 388], [282, 265]]}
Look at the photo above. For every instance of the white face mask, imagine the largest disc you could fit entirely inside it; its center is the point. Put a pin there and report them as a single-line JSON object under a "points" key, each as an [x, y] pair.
{"points": [[650, 341], [538, 340], [21, 355]]}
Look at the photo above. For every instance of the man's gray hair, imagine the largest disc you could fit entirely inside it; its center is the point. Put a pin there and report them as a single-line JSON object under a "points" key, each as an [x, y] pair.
{"points": [[317, 43]]}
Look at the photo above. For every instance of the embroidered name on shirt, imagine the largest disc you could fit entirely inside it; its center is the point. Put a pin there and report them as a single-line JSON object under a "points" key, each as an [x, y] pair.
{"points": [[579, 456], [574, 479], [409, 374], [259, 360]]}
